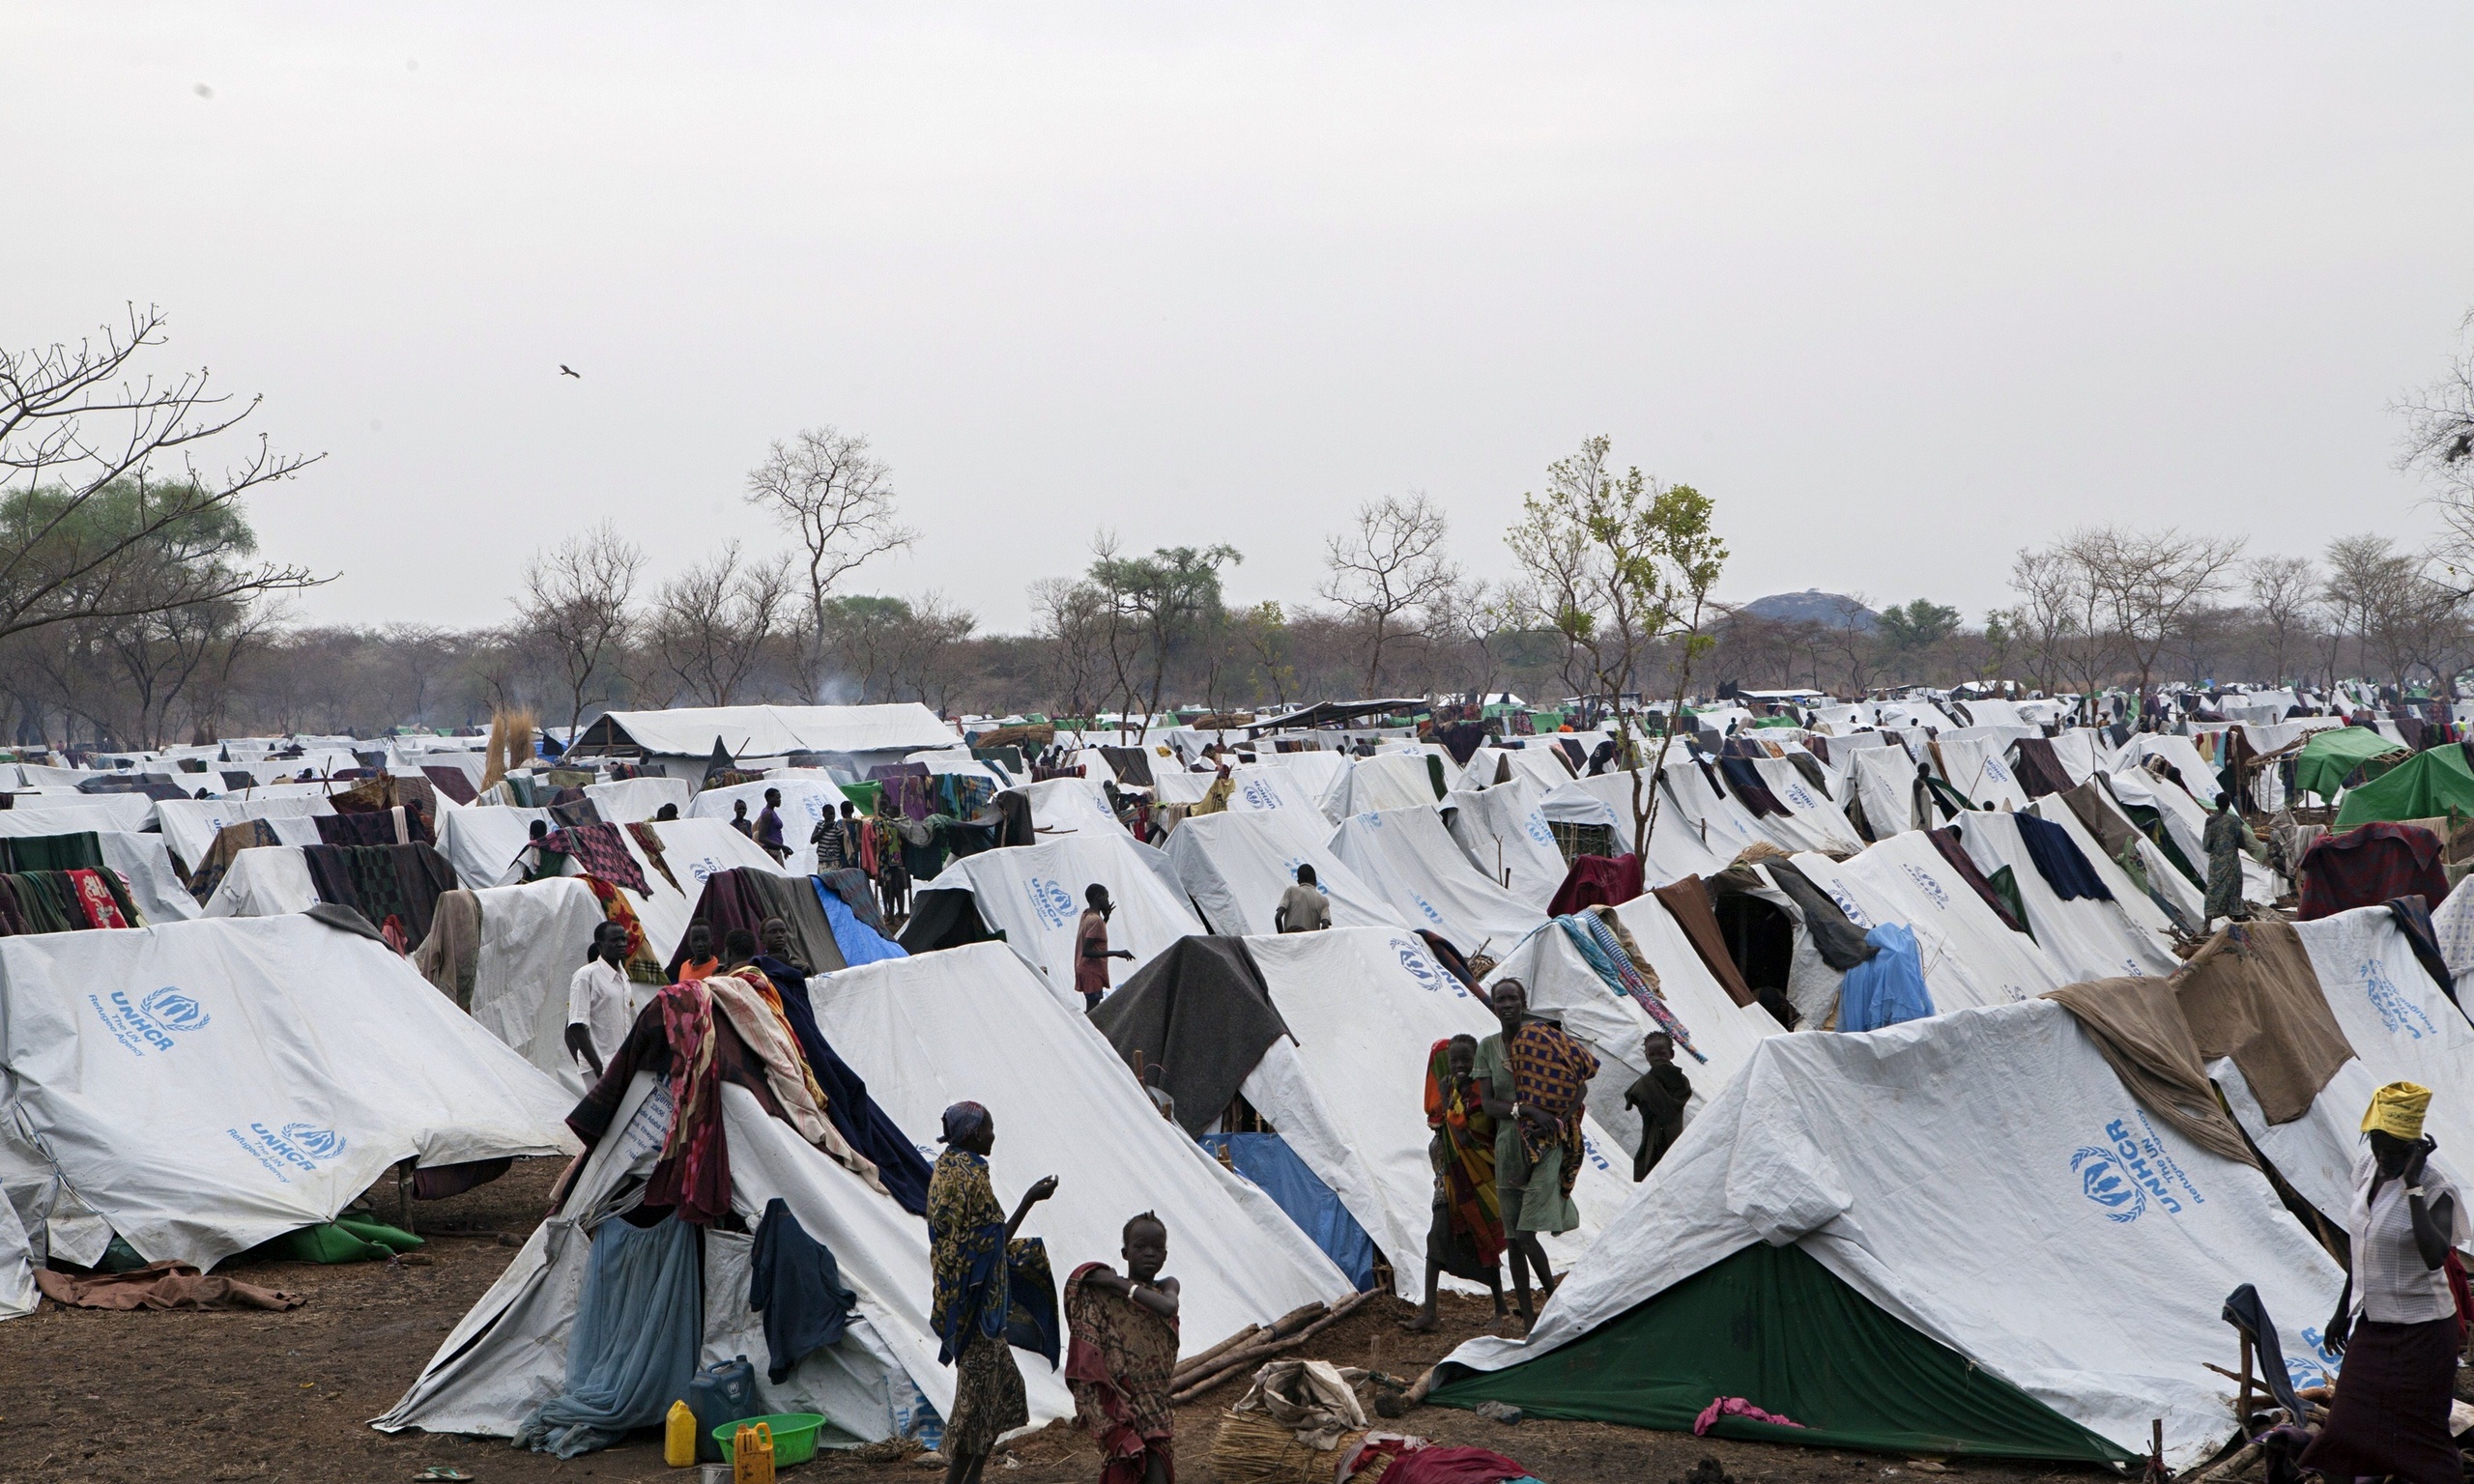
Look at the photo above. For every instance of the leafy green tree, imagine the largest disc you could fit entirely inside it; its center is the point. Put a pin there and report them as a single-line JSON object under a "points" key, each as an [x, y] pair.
{"points": [[1919, 625]]}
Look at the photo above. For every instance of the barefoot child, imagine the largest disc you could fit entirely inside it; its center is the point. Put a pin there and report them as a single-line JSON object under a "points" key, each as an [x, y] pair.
{"points": [[1122, 1346]]}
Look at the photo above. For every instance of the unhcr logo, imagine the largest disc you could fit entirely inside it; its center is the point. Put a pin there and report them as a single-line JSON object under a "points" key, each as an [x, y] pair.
{"points": [[1049, 900], [1421, 967], [2134, 1170], [174, 1010], [315, 1142], [2401, 1014], [1925, 883], [2101, 1181], [1260, 794]]}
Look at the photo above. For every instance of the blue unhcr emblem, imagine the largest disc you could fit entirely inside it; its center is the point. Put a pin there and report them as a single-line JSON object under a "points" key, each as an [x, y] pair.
{"points": [[2101, 1180]]}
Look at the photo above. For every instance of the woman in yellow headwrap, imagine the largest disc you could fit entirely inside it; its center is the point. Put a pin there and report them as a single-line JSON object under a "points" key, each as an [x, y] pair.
{"points": [[2397, 1323]]}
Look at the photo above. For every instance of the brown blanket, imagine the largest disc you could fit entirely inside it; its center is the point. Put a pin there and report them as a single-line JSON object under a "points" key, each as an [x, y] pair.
{"points": [[164, 1285], [2250, 994], [1688, 900], [2139, 1028]]}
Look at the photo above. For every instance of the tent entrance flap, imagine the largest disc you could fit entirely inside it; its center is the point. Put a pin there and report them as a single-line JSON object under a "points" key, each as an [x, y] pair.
{"points": [[1774, 1326]]}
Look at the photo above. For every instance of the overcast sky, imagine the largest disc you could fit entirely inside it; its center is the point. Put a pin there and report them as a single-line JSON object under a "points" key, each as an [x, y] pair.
{"points": [[1901, 287]]}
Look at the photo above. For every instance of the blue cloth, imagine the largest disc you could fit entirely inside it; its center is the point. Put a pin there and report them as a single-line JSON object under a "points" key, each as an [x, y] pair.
{"points": [[860, 943], [1266, 1159], [1886, 988], [633, 1349], [1604, 953], [899, 1165], [796, 1284], [2059, 860]]}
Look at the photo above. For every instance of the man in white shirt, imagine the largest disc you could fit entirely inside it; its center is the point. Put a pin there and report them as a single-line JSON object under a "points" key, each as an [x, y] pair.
{"points": [[597, 1015]]}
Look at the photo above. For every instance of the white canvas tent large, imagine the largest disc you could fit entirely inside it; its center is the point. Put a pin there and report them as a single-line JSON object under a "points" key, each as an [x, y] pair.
{"points": [[485, 843], [1283, 791], [1235, 866], [1034, 895], [1338, 1091], [206, 1086], [915, 1028], [2029, 1215], [2088, 938], [1505, 835], [533, 938], [1410, 858], [1971, 956], [189, 825]]}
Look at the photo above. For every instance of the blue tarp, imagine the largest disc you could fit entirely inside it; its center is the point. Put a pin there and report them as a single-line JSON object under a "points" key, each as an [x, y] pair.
{"points": [[1265, 1158], [633, 1347], [1886, 988], [860, 943]]}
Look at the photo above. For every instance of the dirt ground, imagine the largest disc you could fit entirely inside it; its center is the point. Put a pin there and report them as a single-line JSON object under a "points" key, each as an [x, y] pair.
{"points": [[94, 1395]]}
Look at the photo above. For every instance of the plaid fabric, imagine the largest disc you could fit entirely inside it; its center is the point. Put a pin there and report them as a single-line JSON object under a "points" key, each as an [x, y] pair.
{"points": [[1550, 1072], [599, 849]]}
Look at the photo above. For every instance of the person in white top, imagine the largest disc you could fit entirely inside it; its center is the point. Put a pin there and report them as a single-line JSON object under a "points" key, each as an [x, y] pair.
{"points": [[598, 1017], [2396, 1324]]}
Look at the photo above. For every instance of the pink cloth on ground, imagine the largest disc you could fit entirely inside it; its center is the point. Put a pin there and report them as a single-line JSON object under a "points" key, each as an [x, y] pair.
{"points": [[1735, 1407]]}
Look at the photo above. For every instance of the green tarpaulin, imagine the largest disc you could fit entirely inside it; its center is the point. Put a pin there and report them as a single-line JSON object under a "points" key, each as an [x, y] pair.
{"points": [[2329, 757], [2426, 786], [1777, 1328]]}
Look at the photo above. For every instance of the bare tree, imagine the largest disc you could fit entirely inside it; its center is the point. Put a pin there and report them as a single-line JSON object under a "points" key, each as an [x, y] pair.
{"points": [[86, 512], [2285, 603], [2137, 587], [1387, 567], [825, 485], [2438, 442], [579, 601], [1070, 618], [2365, 575], [711, 624]]}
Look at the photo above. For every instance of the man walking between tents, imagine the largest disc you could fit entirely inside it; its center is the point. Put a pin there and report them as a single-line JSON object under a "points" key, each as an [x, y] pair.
{"points": [[597, 1015]]}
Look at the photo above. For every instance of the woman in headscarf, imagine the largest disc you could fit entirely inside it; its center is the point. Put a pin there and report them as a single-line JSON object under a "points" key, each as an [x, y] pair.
{"points": [[2397, 1323], [1467, 1237], [991, 1291]]}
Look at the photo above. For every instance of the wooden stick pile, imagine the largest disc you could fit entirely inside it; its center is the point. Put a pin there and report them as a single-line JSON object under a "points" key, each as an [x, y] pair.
{"points": [[1241, 1352]]}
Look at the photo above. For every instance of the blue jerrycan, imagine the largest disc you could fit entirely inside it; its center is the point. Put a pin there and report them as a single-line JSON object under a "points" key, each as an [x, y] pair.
{"points": [[723, 1391]]}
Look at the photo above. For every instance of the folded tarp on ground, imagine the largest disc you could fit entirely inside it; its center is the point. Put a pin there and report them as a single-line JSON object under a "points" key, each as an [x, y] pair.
{"points": [[208, 1085], [2070, 1250]]}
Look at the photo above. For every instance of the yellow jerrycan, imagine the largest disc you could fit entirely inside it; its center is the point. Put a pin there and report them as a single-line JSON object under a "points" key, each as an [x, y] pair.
{"points": [[678, 1437], [752, 1455]]}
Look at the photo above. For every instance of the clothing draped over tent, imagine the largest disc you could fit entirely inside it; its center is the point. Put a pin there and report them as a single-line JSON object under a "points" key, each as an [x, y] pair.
{"points": [[2060, 860], [868, 1128], [794, 1281], [1199, 1013], [1598, 880], [632, 1349], [2141, 1031], [601, 852], [2367, 866], [2250, 994], [1889, 988]]}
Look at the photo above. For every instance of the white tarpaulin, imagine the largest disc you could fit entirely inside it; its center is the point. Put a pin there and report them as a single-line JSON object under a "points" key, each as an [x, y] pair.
{"points": [[1503, 834], [484, 844], [1068, 806], [1885, 790], [1971, 956], [1235, 867], [125, 810], [533, 938], [1971, 762], [1409, 858], [918, 1030], [1345, 1095], [263, 881], [2399, 1023], [207, 1086], [190, 826], [1393, 780], [144, 865], [2028, 1214], [808, 800], [2140, 907], [1815, 822], [628, 800], [773, 731], [2088, 938], [696, 851], [1034, 895], [1280, 790]]}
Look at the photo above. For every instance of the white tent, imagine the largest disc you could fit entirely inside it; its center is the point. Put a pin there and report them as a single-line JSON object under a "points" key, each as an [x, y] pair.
{"points": [[144, 865], [1281, 791], [206, 1086], [1505, 835], [1971, 958], [2088, 938], [533, 938], [1348, 1093], [1984, 1225], [808, 799], [263, 881], [628, 800], [1562, 987], [2199, 775], [773, 731], [125, 810], [190, 826], [1235, 866], [1402, 779], [1034, 895], [484, 843], [915, 1028], [1410, 858], [1068, 806], [1973, 761]]}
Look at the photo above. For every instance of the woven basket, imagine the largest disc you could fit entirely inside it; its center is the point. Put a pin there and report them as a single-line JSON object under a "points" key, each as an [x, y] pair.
{"points": [[1253, 1449]]}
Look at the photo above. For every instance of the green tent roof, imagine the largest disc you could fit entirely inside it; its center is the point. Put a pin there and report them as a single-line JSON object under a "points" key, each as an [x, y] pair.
{"points": [[2426, 786], [1774, 1326], [2331, 756]]}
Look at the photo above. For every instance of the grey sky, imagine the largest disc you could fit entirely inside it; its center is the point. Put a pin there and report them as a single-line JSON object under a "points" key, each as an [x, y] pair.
{"points": [[1901, 287]]}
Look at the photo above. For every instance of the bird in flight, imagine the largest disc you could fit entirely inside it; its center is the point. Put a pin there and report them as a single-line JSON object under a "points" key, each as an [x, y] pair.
{"points": [[566, 370]]}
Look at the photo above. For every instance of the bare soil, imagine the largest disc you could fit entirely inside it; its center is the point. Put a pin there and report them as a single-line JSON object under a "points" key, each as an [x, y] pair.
{"points": [[95, 1395]]}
